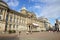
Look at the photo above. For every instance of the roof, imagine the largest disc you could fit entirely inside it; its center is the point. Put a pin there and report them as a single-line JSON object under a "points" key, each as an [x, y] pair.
{"points": [[23, 8], [3, 3], [15, 12]]}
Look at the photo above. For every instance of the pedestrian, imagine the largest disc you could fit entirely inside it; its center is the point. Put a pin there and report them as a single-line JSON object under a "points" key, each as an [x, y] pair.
{"points": [[19, 32]]}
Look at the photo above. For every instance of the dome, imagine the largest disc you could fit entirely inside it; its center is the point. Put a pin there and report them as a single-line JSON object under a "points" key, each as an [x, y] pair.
{"points": [[2, 3], [23, 8]]}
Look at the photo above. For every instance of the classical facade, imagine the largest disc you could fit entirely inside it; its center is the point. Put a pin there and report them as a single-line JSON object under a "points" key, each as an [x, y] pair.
{"points": [[47, 25], [19, 21]]}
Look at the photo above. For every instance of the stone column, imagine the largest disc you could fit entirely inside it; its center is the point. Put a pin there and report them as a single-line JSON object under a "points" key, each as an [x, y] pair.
{"points": [[3, 14], [6, 21]]}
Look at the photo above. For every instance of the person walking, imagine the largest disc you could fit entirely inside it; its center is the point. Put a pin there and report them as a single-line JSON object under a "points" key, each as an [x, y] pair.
{"points": [[19, 32]]}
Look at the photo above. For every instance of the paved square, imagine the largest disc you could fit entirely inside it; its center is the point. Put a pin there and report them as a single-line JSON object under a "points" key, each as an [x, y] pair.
{"points": [[40, 36], [34, 36]]}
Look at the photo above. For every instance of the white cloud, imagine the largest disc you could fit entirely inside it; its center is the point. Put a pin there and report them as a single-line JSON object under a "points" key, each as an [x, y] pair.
{"points": [[37, 6], [35, 0], [12, 3], [39, 0], [6, 0], [46, 1], [36, 9], [51, 10]]}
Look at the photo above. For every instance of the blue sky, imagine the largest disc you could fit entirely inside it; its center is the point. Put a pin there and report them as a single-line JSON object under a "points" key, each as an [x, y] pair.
{"points": [[47, 8]]}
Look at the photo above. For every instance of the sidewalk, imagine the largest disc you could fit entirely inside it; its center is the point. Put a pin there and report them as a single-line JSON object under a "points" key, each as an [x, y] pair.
{"points": [[9, 35]]}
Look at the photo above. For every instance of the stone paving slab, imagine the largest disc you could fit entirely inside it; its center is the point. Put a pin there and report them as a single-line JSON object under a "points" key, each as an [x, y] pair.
{"points": [[8, 35], [35, 36], [12, 36], [40, 36]]}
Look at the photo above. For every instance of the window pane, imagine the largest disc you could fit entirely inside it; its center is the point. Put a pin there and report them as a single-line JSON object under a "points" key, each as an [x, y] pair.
{"points": [[10, 25], [13, 26], [10, 19], [0, 17]]}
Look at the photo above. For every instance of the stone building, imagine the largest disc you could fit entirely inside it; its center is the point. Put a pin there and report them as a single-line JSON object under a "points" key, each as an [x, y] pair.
{"points": [[19, 21], [57, 25], [46, 23]]}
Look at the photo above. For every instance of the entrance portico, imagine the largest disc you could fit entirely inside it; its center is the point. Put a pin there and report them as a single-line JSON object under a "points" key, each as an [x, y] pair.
{"points": [[32, 27]]}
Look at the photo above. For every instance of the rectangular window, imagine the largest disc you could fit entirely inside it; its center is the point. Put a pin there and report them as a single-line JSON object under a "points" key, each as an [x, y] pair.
{"points": [[17, 20], [1, 14], [10, 26], [0, 17], [14, 26], [10, 18], [14, 18], [0, 10], [17, 26]]}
